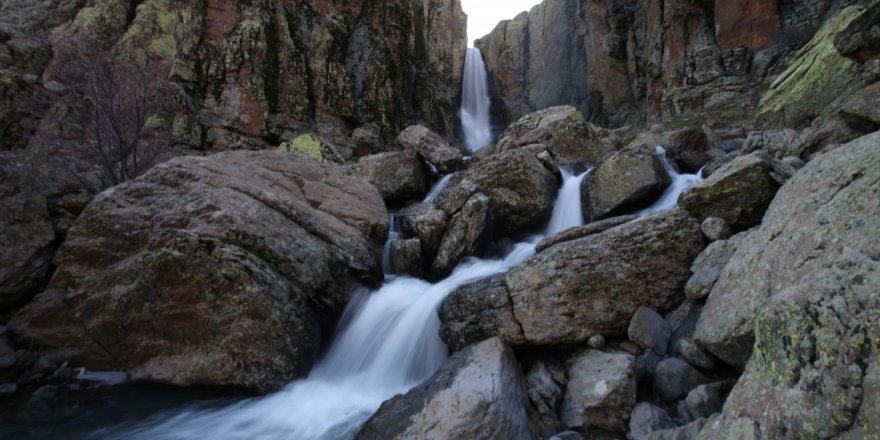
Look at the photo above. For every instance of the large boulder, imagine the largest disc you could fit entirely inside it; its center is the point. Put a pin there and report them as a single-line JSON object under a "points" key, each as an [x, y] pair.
{"points": [[399, 176], [521, 188], [820, 229], [624, 181], [601, 391], [223, 270], [432, 148], [467, 230], [477, 394], [580, 288], [563, 130], [738, 193]]}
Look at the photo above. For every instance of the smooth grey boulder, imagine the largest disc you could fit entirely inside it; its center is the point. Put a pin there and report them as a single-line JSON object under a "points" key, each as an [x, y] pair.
{"points": [[406, 257], [674, 378], [477, 394], [432, 148], [738, 192], [647, 418], [601, 391], [715, 229], [399, 176], [624, 181], [648, 329]]}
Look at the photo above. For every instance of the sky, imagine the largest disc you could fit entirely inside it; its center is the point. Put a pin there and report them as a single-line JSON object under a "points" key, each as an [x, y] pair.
{"points": [[484, 15]]}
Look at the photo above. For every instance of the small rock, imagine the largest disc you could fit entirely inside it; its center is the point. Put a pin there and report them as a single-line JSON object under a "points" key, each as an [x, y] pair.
{"points": [[601, 391], [695, 355], [647, 418], [648, 362], [794, 162], [683, 321], [715, 229], [705, 400], [8, 389], [674, 378], [597, 342], [432, 148], [648, 329]]}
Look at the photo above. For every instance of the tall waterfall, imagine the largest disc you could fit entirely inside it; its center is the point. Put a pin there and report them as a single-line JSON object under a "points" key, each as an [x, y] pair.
{"points": [[387, 343], [475, 102]]}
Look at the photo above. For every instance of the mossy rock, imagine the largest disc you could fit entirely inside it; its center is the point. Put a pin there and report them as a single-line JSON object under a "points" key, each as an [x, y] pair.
{"points": [[818, 76], [313, 147]]}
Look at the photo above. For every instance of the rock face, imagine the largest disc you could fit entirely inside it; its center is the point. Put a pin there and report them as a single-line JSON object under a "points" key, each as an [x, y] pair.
{"points": [[624, 181], [563, 131], [181, 276], [601, 391], [266, 70], [560, 296], [737, 193], [823, 220], [477, 394]]}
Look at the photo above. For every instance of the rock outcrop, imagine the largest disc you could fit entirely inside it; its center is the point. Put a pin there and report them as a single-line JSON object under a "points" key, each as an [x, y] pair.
{"points": [[181, 276], [477, 394]]}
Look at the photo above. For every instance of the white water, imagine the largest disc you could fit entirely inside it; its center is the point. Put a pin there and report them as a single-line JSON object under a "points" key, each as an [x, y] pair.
{"points": [[393, 234], [387, 344], [435, 191], [680, 183], [475, 102]]}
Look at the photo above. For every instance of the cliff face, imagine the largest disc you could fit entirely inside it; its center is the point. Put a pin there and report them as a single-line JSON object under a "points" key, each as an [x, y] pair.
{"points": [[355, 72], [634, 61]]}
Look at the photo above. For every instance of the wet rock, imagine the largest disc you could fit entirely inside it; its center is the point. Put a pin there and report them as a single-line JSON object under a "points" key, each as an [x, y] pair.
{"points": [[650, 330], [406, 257], [647, 418], [674, 378], [432, 148], [601, 391], [467, 232], [425, 223], [399, 176], [476, 394], [715, 229], [201, 288], [624, 181], [563, 131], [739, 192], [695, 355]]}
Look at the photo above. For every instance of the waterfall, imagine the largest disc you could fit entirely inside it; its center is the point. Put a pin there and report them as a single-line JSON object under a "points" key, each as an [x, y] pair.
{"points": [[680, 183], [387, 343], [393, 234], [435, 191], [475, 102]]}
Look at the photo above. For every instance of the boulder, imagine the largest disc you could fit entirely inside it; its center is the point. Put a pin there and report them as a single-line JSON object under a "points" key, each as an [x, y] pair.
{"points": [[399, 176], [739, 192], [674, 378], [561, 295], [826, 216], [314, 147], [181, 276], [686, 432], [432, 148], [467, 232], [706, 400], [406, 257], [425, 223], [565, 133], [689, 148], [798, 305], [601, 391], [625, 181], [583, 231], [684, 322], [648, 329], [521, 188], [695, 355], [477, 394], [545, 396], [647, 418], [708, 266], [715, 229]]}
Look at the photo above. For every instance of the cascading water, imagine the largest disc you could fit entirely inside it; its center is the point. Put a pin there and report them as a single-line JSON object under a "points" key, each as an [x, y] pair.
{"points": [[387, 343], [680, 183], [475, 102], [439, 186], [393, 234]]}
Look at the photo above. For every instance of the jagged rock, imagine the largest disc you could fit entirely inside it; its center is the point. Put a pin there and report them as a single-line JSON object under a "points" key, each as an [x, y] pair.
{"points": [[399, 176], [715, 229], [647, 418], [201, 288], [684, 322], [739, 192], [695, 355], [686, 432], [427, 224], [478, 311], [521, 189], [675, 378], [545, 395], [601, 391], [554, 296], [825, 215], [467, 231], [861, 38], [563, 131], [624, 181], [477, 394], [798, 302], [689, 148], [432, 148], [650, 330], [406, 257], [705, 400]]}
